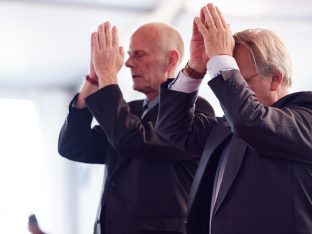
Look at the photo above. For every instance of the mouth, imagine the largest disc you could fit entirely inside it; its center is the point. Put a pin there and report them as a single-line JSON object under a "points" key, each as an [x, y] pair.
{"points": [[135, 77]]}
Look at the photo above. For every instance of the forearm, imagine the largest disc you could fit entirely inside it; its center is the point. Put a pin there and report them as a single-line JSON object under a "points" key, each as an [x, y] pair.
{"points": [[77, 141], [86, 90], [127, 133], [282, 131], [184, 121]]}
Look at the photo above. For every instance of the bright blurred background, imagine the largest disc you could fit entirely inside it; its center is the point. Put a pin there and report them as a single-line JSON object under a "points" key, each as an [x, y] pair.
{"points": [[44, 55]]}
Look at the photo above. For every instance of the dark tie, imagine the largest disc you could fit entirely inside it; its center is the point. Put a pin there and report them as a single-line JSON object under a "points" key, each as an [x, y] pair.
{"points": [[145, 110]]}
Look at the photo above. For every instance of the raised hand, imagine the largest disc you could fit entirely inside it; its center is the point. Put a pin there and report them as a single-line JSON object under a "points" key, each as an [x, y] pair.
{"points": [[92, 73], [108, 56], [216, 32], [198, 57]]}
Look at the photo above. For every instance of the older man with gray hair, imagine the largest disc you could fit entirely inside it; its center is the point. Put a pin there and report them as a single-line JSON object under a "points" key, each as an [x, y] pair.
{"points": [[255, 173]]}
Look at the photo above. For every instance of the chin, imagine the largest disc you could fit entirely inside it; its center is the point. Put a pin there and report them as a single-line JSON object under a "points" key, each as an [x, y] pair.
{"points": [[136, 88]]}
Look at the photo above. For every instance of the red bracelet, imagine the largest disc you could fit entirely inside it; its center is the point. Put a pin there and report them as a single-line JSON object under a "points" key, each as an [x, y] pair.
{"points": [[92, 81], [226, 54]]}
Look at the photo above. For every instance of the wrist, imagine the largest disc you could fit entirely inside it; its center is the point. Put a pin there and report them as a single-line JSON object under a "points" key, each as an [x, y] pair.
{"points": [[108, 80], [220, 54], [200, 66], [93, 75], [192, 72], [92, 81]]}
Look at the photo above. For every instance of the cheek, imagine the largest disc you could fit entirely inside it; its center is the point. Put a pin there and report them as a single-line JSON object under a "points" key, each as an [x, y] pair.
{"points": [[150, 70], [153, 71], [261, 89], [146, 69], [252, 87], [146, 64]]}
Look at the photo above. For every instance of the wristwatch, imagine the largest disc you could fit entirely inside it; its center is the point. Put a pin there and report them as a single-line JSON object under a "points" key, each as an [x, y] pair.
{"points": [[193, 73]]}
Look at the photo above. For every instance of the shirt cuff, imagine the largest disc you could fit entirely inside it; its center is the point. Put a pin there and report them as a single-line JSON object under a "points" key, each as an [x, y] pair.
{"points": [[185, 83], [221, 63]]}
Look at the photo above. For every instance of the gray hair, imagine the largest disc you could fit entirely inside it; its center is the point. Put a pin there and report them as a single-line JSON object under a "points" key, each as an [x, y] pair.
{"points": [[268, 52]]}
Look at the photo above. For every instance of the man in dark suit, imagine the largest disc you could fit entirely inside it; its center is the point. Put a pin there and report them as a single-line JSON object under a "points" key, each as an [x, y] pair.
{"points": [[255, 173], [147, 180]]}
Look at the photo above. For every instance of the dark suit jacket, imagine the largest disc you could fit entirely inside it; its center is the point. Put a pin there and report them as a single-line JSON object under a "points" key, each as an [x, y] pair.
{"points": [[267, 183], [147, 179]]}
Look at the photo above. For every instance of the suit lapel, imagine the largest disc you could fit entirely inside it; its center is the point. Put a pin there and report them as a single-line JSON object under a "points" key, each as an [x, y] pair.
{"points": [[236, 153], [151, 115], [222, 132]]}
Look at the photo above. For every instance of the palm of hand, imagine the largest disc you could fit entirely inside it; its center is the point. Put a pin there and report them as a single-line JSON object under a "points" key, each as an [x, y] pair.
{"points": [[198, 56]]}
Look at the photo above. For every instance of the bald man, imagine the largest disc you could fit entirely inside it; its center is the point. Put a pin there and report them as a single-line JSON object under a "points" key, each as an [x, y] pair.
{"points": [[147, 180]]}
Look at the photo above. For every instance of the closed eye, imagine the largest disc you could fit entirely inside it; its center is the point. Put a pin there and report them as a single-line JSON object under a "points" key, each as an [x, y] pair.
{"points": [[137, 54]]}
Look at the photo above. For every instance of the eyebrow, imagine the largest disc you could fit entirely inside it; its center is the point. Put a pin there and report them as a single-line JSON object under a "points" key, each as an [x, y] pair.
{"points": [[136, 52]]}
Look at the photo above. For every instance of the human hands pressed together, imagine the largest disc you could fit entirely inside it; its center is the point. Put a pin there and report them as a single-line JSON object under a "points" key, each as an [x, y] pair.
{"points": [[217, 35], [198, 57], [107, 55], [92, 73]]}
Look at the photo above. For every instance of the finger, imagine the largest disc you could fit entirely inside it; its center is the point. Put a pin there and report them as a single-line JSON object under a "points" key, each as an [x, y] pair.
{"points": [[201, 27], [91, 48], [91, 44], [208, 18], [202, 15], [101, 36], [115, 38], [121, 52], [223, 21], [228, 26], [95, 41], [108, 34], [195, 28], [215, 16]]}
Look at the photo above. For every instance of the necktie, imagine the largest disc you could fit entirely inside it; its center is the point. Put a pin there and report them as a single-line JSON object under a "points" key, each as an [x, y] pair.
{"points": [[145, 110]]}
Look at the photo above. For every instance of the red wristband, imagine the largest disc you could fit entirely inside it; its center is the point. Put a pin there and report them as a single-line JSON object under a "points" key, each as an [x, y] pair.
{"points": [[226, 54], [92, 81]]}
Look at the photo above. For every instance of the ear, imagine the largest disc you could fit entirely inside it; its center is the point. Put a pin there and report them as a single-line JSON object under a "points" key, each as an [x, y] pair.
{"points": [[277, 80], [172, 60]]}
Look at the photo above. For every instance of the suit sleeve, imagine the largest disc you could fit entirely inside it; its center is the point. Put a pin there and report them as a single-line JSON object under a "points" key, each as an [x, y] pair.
{"points": [[78, 141], [284, 132], [130, 136], [181, 120]]}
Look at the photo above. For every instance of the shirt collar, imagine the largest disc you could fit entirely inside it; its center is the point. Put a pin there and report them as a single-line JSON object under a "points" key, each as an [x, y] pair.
{"points": [[152, 103]]}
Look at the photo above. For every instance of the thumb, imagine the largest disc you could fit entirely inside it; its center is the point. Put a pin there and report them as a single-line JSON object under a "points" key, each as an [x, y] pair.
{"points": [[195, 27], [121, 51]]}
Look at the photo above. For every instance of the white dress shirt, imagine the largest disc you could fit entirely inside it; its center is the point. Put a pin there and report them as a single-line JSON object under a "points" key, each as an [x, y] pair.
{"points": [[215, 65]]}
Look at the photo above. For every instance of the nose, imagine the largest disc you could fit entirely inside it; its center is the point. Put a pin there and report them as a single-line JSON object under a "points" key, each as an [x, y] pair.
{"points": [[129, 62]]}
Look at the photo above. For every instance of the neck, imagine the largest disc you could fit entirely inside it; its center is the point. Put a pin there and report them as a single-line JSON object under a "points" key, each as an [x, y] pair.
{"points": [[172, 73], [150, 97], [278, 94], [281, 92]]}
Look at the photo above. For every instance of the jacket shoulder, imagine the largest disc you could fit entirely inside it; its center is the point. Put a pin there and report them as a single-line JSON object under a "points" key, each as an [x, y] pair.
{"points": [[303, 99]]}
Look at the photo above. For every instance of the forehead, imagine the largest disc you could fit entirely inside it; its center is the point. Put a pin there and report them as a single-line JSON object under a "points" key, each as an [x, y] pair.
{"points": [[143, 40], [244, 60]]}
